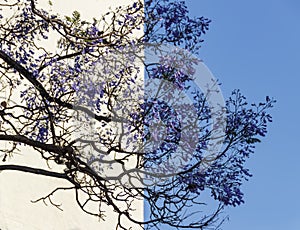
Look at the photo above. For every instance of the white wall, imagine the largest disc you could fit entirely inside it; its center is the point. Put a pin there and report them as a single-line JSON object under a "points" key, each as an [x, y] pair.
{"points": [[17, 189]]}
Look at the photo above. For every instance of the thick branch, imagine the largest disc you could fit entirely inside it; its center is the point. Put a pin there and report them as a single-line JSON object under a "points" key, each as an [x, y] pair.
{"points": [[36, 144], [34, 171]]}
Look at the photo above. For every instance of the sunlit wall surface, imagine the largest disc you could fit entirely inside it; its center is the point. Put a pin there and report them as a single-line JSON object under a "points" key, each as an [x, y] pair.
{"points": [[18, 189]]}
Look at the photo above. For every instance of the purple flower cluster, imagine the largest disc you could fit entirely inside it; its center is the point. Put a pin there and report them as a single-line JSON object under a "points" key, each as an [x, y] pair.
{"points": [[175, 66], [225, 176], [169, 22], [159, 145]]}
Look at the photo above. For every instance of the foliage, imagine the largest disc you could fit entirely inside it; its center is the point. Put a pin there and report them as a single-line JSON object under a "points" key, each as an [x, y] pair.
{"points": [[57, 94]]}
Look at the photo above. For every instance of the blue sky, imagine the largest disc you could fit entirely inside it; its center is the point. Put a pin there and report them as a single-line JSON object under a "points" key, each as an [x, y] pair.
{"points": [[255, 46]]}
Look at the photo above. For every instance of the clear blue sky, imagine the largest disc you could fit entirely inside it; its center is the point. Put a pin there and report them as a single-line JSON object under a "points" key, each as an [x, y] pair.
{"points": [[255, 46]]}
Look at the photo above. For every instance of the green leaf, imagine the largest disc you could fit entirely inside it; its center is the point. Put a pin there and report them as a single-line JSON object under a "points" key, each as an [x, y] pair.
{"points": [[68, 18], [76, 15]]}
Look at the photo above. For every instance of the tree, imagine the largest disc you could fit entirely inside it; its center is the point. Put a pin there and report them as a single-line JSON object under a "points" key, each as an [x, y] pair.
{"points": [[114, 137]]}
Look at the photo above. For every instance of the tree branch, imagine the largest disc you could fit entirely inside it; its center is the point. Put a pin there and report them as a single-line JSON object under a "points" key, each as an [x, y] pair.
{"points": [[37, 171], [47, 147]]}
